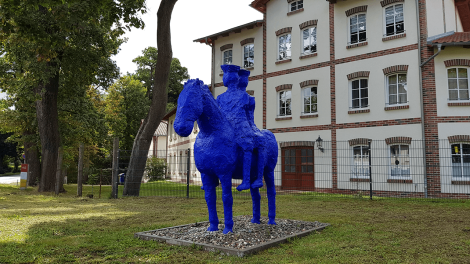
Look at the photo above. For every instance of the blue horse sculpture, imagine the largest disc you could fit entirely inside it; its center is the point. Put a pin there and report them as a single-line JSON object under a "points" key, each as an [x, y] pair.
{"points": [[217, 155]]}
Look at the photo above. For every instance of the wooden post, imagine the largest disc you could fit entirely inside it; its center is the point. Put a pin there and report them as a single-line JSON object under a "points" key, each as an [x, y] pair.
{"points": [[101, 172], [58, 173], [80, 171], [114, 183]]}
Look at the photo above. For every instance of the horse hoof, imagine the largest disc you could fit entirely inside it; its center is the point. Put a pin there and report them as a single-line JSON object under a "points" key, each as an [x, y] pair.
{"points": [[213, 228], [257, 184], [272, 222], [255, 221], [242, 187], [227, 230]]}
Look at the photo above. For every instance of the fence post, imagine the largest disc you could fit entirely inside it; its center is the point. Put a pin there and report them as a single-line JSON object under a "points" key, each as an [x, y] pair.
{"points": [[370, 170], [80, 170], [115, 168], [188, 171]]}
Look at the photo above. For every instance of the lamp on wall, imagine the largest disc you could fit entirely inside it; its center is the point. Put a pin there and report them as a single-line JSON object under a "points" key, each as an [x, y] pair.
{"points": [[320, 143]]}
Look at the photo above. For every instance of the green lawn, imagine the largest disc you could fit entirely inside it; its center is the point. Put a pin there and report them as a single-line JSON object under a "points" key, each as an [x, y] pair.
{"points": [[38, 228]]}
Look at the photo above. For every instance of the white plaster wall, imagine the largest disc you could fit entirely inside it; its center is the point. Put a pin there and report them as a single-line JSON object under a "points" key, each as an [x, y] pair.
{"points": [[380, 157], [277, 18], [442, 89], [377, 88], [322, 160], [445, 156], [237, 52], [435, 13], [323, 101], [375, 28]]}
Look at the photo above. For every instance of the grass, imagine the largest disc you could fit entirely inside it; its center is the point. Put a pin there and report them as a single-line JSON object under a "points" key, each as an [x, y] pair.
{"points": [[43, 228]]}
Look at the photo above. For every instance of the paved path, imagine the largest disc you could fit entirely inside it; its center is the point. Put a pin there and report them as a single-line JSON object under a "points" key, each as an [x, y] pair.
{"points": [[10, 179]]}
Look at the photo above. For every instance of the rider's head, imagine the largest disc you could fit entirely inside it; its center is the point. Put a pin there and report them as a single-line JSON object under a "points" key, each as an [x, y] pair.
{"points": [[230, 75], [243, 79]]}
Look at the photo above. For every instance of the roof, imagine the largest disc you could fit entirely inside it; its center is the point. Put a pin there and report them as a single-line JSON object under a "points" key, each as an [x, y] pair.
{"points": [[450, 39], [259, 5], [170, 113], [210, 39], [161, 129]]}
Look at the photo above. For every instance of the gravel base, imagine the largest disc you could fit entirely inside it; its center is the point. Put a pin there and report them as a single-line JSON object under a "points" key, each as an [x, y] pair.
{"points": [[245, 234]]}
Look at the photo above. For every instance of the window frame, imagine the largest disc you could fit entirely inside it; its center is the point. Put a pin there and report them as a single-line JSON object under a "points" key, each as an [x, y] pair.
{"points": [[349, 29], [279, 47], [458, 90], [279, 103], [353, 165], [303, 100], [461, 157], [289, 5], [302, 52], [401, 177], [243, 55], [387, 89], [384, 14], [231, 56], [351, 107]]}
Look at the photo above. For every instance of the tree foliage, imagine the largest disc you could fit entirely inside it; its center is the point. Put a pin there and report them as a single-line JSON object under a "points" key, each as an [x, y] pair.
{"points": [[56, 49], [126, 106], [146, 72]]}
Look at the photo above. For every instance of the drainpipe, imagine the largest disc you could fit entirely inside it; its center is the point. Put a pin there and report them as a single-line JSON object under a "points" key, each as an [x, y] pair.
{"points": [[423, 135], [212, 66], [439, 46]]}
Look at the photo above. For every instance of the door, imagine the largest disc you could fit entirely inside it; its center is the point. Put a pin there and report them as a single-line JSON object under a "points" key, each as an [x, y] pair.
{"points": [[298, 169]]}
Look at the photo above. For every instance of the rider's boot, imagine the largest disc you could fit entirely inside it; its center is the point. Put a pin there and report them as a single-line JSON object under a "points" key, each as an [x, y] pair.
{"points": [[246, 172]]}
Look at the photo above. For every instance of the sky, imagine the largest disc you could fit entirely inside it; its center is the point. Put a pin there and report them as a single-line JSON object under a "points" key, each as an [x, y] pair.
{"points": [[191, 19]]}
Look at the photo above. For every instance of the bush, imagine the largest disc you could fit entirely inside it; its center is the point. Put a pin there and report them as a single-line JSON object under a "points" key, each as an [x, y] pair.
{"points": [[155, 169]]}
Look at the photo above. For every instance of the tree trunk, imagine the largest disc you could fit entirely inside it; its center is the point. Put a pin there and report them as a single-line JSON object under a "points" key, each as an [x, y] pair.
{"points": [[32, 158], [157, 109], [48, 127]]}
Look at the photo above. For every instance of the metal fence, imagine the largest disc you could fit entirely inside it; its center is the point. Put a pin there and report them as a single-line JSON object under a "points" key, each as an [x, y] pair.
{"points": [[357, 168]]}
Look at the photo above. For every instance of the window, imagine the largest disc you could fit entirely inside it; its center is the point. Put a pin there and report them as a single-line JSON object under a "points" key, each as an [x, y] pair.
{"points": [[460, 160], [296, 5], [284, 47], [309, 40], [310, 100], [458, 83], [360, 161], [357, 28], [360, 95], [394, 23], [400, 161], [248, 56], [284, 103], [397, 89], [228, 57]]}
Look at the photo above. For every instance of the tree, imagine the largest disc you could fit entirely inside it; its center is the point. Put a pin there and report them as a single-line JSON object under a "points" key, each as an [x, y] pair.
{"points": [[159, 100], [126, 105], [146, 71], [62, 44]]}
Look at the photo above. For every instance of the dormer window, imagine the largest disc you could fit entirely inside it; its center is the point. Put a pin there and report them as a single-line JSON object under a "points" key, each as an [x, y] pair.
{"points": [[296, 5]]}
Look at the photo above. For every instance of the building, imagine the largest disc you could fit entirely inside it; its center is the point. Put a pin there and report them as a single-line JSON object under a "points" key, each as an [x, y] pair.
{"points": [[391, 72], [158, 145]]}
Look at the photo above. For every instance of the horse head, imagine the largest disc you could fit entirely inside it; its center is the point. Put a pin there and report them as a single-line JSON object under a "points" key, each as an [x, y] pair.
{"points": [[190, 107]]}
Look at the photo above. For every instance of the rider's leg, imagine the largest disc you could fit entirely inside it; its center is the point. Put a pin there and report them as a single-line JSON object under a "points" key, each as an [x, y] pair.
{"points": [[246, 171], [258, 183]]}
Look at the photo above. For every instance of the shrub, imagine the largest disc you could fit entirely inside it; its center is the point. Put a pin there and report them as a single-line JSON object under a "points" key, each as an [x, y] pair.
{"points": [[155, 169]]}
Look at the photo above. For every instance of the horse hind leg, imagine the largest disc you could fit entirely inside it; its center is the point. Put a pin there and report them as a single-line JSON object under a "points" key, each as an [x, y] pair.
{"points": [[209, 184], [271, 191], [256, 198]]}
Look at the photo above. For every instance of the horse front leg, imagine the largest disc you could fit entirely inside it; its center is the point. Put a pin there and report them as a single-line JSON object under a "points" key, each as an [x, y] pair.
{"points": [[271, 191], [256, 198], [227, 199], [209, 184]]}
